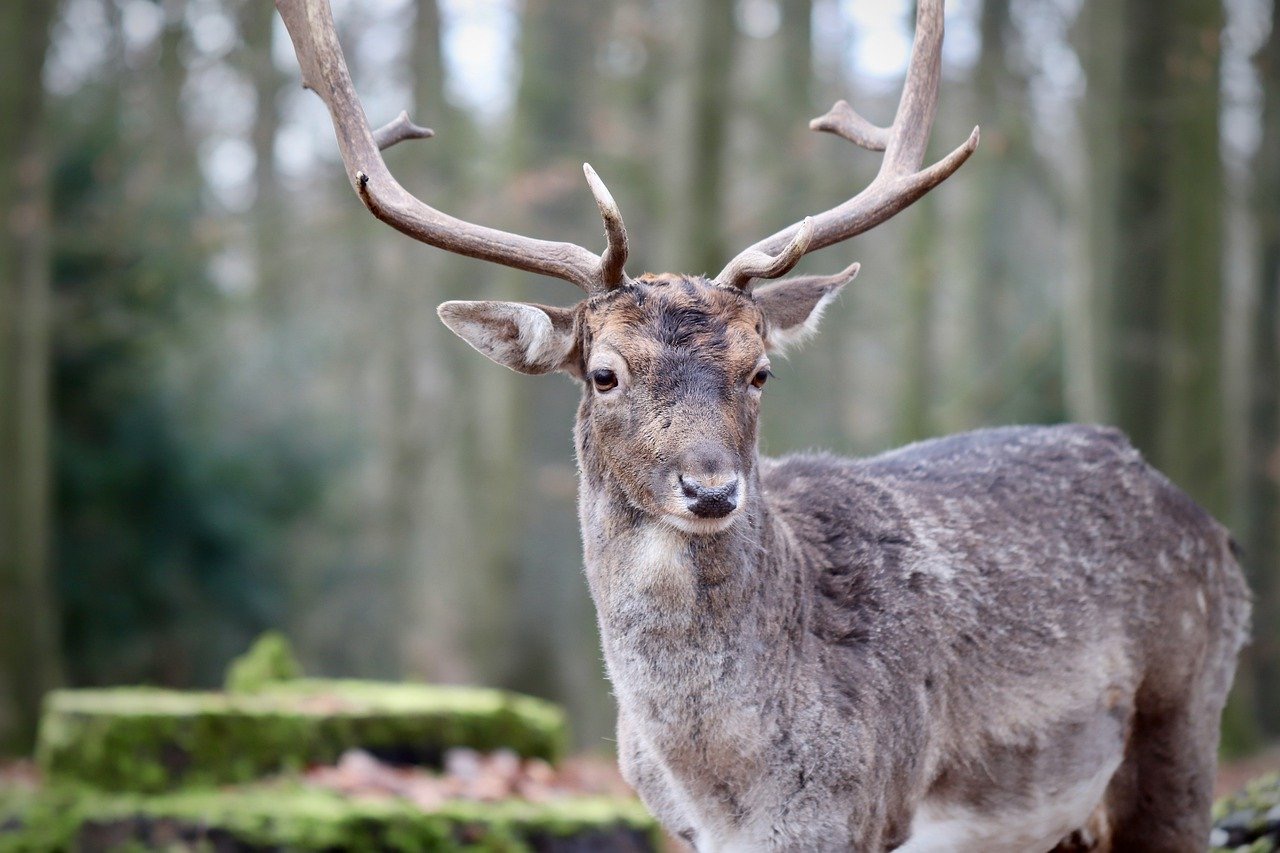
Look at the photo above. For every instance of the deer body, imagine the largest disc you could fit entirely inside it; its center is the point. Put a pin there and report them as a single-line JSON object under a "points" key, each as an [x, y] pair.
{"points": [[1010, 640], [939, 648], [959, 637]]}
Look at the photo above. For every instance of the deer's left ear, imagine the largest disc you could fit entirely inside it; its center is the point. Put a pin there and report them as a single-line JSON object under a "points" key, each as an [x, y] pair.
{"points": [[793, 307], [524, 337]]}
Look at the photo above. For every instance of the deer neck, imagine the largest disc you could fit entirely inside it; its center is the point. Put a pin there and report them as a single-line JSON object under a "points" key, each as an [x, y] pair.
{"points": [[681, 614]]}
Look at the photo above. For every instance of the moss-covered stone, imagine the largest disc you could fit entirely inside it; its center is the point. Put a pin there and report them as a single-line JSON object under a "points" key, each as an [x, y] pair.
{"points": [[1249, 820], [149, 740], [269, 660], [283, 817]]}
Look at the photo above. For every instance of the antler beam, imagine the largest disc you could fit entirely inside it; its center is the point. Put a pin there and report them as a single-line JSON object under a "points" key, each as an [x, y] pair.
{"points": [[324, 71], [900, 181]]}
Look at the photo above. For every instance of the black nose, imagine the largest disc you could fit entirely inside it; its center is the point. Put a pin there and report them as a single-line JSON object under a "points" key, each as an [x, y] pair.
{"points": [[709, 503]]}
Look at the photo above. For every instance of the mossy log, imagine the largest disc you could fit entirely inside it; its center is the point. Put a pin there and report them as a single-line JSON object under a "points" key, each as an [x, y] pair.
{"points": [[151, 740], [1249, 821], [284, 817]]}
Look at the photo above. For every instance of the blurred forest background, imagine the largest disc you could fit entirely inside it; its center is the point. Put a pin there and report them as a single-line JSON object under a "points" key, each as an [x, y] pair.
{"points": [[226, 403]]}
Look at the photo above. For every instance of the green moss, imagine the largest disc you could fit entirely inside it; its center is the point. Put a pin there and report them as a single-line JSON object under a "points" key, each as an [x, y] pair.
{"points": [[148, 740], [292, 818], [1249, 820], [270, 660]]}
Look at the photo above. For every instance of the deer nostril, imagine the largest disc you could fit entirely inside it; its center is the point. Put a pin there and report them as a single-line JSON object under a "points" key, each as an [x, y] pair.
{"points": [[690, 488], [710, 503]]}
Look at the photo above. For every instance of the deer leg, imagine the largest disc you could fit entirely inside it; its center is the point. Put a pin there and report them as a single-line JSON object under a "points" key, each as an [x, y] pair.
{"points": [[1161, 796]]}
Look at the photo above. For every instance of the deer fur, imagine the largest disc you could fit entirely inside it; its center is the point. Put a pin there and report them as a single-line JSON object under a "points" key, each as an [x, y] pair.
{"points": [[997, 641]]}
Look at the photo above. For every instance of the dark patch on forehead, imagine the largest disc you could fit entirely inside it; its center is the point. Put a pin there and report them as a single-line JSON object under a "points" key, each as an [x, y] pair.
{"points": [[687, 324], [677, 375], [681, 312]]}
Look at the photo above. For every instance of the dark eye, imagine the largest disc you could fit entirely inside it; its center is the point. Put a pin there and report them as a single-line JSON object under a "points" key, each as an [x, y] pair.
{"points": [[761, 377], [604, 379]]}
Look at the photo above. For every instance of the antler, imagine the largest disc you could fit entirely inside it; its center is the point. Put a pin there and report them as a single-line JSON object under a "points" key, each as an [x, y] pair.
{"points": [[900, 181], [324, 71]]}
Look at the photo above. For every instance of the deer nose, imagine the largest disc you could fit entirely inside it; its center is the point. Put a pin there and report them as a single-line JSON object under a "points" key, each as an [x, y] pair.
{"points": [[707, 502]]}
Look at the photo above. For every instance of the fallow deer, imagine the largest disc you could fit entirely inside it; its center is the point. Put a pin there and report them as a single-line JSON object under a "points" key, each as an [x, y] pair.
{"points": [[1007, 640]]}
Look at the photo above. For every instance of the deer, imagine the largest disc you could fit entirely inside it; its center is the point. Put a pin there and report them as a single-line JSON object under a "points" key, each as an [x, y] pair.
{"points": [[1013, 639]]}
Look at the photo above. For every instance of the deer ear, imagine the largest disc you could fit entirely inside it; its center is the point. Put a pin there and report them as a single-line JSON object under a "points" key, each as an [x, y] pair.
{"points": [[793, 307], [526, 338]]}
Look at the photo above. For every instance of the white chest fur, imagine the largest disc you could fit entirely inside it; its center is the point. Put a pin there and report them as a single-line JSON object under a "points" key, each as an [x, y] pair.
{"points": [[1055, 814], [657, 646]]}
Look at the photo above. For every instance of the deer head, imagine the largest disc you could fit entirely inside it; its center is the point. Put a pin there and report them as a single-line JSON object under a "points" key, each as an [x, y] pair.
{"points": [[672, 366]]}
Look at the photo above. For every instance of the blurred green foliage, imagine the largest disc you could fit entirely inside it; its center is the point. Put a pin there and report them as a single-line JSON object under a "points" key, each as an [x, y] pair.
{"points": [[169, 534]]}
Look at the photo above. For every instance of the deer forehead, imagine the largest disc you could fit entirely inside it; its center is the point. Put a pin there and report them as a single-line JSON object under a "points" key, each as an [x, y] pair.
{"points": [[666, 316]]}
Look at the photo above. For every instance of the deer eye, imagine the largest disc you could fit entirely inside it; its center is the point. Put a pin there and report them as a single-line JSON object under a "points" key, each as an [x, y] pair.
{"points": [[604, 379], [762, 376]]}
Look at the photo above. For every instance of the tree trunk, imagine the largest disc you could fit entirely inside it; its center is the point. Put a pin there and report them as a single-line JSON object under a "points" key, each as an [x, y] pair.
{"points": [[1139, 268], [1088, 308], [997, 225], [914, 414], [1155, 239], [1192, 409], [702, 238], [29, 661], [258, 21], [430, 504], [1262, 522], [1157, 244]]}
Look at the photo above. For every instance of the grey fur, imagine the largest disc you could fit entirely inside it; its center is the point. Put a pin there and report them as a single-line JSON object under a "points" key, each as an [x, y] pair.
{"points": [[968, 626]]}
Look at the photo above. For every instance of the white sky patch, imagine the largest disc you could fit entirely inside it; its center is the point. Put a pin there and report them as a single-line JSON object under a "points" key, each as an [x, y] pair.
{"points": [[829, 38], [78, 47], [140, 21], [480, 55], [883, 31], [378, 49], [232, 271], [228, 167], [296, 153], [963, 43], [1241, 127], [881, 38], [212, 31], [758, 19]]}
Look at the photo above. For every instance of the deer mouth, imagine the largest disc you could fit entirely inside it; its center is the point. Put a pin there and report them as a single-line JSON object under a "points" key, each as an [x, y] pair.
{"points": [[702, 509], [690, 523]]}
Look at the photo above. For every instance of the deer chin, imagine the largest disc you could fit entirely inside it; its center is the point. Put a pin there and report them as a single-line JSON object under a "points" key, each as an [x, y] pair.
{"points": [[687, 522]]}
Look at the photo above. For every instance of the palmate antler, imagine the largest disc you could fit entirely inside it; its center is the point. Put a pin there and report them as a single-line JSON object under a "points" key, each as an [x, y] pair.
{"points": [[900, 180], [324, 71]]}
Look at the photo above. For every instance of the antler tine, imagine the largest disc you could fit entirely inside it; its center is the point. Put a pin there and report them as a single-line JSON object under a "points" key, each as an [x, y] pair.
{"points": [[398, 130], [845, 122], [900, 181], [324, 71], [615, 254], [753, 264], [845, 276]]}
